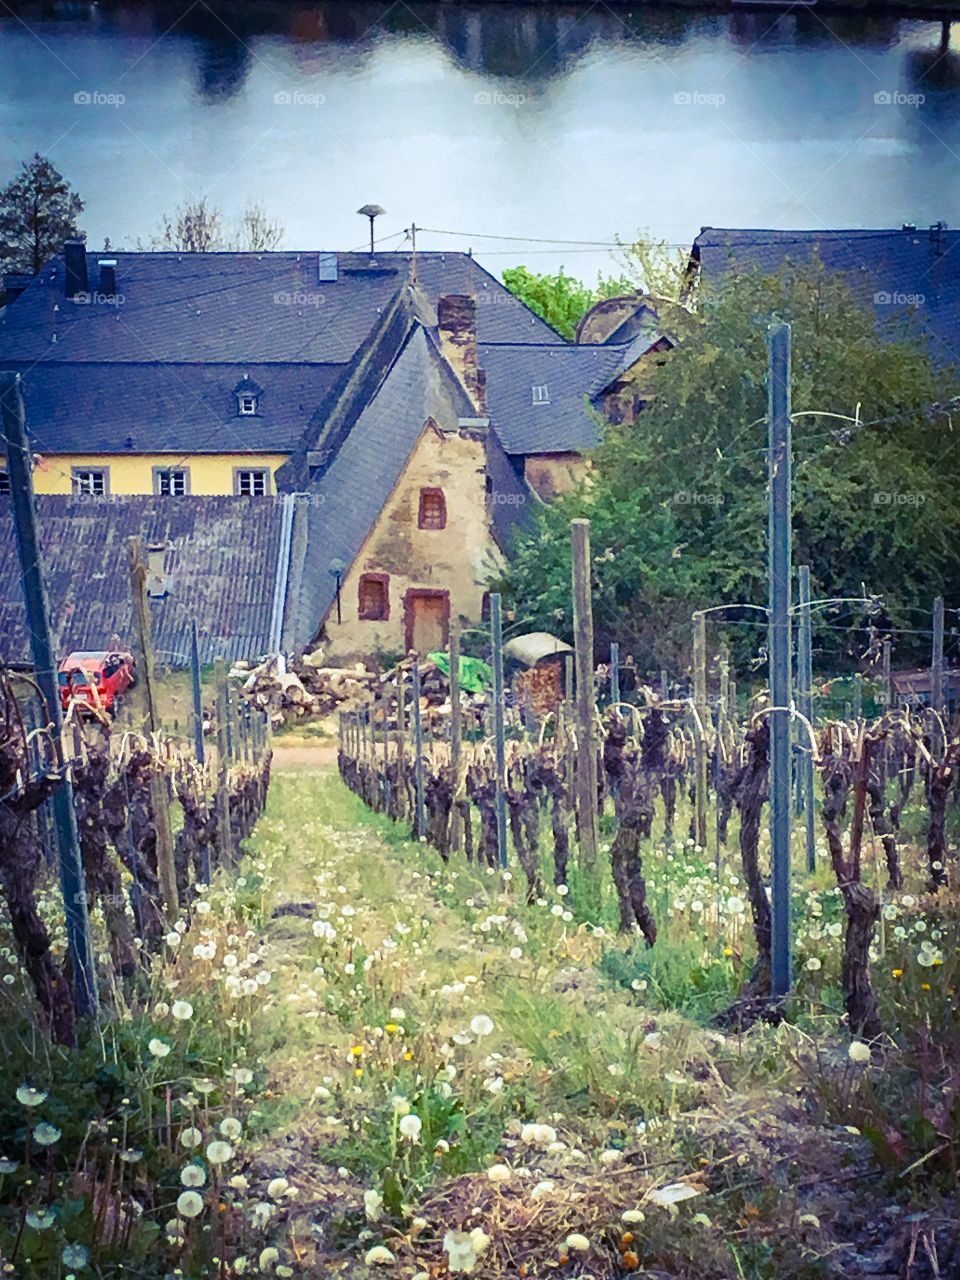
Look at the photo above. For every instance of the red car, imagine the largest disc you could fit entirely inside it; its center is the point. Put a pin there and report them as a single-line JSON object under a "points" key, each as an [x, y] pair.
{"points": [[96, 678]]}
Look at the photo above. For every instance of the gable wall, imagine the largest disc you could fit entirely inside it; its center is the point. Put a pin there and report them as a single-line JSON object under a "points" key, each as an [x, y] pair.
{"points": [[452, 559]]}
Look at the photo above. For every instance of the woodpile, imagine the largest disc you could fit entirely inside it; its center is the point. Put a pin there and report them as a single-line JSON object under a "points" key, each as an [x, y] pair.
{"points": [[306, 691]]}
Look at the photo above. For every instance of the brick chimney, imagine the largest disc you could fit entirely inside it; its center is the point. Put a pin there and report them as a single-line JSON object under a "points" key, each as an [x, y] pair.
{"points": [[457, 326], [75, 255]]}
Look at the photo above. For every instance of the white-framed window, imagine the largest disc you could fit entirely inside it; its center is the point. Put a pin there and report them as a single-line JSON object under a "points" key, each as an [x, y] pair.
{"points": [[4, 480], [251, 482], [91, 482], [248, 405], [541, 393], [171, 482]]}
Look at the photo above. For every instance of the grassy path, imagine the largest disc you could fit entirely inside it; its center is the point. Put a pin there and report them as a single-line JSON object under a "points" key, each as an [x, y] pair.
{"points": [[458, 1079]]}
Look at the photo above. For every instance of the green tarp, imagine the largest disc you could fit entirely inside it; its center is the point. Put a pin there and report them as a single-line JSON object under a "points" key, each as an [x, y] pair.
{"points": [[475, 674]]}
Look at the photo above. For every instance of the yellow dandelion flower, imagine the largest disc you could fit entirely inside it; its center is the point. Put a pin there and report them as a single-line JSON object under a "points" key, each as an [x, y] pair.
{"points": [[357, 1050], [896, 973], [391, 1028]]}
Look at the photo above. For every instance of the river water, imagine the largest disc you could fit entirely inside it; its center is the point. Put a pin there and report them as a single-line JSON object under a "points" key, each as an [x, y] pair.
{"points": [[548, 123]]}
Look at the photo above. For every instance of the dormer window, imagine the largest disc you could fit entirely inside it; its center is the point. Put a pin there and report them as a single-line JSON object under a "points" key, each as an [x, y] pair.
{"points": [[541, 394], [248, 397]]}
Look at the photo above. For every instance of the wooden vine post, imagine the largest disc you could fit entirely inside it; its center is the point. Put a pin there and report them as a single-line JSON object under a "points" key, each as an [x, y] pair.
{"points": [[224, 830], [500, 794], [456, 735], [420, 819], [159, 799], [702, 725], [79, 943], [805, 707], [586, 759], [779, 550], [936, 677]]}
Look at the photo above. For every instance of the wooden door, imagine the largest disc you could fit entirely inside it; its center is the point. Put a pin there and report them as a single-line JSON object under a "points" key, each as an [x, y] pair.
{"points": [[427, 618]]}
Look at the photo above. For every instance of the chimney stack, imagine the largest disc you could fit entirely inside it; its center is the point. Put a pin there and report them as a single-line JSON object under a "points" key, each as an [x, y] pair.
{"points": [[457, 326], [75, 254], [108, 277]]}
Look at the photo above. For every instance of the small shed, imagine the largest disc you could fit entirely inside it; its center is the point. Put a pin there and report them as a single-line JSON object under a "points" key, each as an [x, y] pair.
{"points": [[537, 662]]}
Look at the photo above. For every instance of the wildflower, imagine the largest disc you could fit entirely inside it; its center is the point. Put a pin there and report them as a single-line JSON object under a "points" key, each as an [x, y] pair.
{"points": [[809, 1220], [8, 1166], [441, 1147], [674, 1077], [46, 1134], [410, 1126], [131, 1155], [182, 1010], [75, 1255], [378, 1255], [652, 1039], [493, 1085], [41, 1219], [516, 953], [538, 1135], [239, 1182], [243, 1075], [277, 1188], [193, 1175], [736, 906], [463, 1248], [158, 1048], [813, 964], [219, 1152], [544, 1188], [189, 1204], [391, 1028], [191, 1138], [230, 1127], [562, 890], [357, 1051], [269, 1257], [611, 1156], [577, 1243], [858, 1051], [28, 1096], [896, 973], [401, 1106], [205, 1085], [499, 1173], [632, 1215], [481, 1025], [672, 1193], [373, 1205]]}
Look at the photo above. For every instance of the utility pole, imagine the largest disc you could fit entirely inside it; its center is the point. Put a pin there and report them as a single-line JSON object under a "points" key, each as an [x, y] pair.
{"points": [[703, 716], [500, 795], [805, 707], [79, 942], [936, 673], [158, 783], [586, 767], [456, 731], [779, 551]]}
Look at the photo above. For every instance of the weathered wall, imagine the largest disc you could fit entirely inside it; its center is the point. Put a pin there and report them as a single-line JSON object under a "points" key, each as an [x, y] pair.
{"points": [[550, 475], [453, 559], [210, 474]]}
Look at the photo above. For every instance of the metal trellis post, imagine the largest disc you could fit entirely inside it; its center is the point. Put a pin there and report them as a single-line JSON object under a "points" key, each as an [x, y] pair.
{"points": [[779, 549]]}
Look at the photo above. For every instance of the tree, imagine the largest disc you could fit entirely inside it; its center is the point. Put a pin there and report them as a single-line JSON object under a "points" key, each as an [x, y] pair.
{"points": [[647, 266], [559, 299], [197, 226], [38, 211], [678, 498]]}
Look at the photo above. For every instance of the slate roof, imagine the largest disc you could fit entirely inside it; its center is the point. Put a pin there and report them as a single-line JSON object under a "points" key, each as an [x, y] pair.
{"points": [[912, 263], [345, 503], [222, 559], [170, 408], [243, 308], [572, 375]]}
